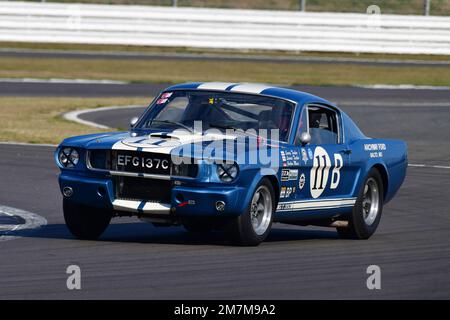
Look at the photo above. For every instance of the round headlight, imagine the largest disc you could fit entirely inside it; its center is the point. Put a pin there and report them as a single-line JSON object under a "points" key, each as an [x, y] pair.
{"points": [[68, 157], [227, 172]]}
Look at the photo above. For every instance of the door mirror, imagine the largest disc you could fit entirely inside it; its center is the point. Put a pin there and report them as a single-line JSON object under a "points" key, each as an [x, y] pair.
{"points": [[305, 138], [133, 121]]}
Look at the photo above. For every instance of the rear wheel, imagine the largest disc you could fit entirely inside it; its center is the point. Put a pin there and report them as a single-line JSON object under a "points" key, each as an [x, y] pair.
{"points": [[367, 211], [85, 222], [252, 227]]}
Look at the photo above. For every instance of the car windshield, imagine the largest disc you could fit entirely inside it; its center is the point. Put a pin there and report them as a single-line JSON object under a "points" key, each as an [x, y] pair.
{"points": [[219, 110]]}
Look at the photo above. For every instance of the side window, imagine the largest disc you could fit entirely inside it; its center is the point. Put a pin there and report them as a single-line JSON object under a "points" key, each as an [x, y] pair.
{"points": [[302, 126], [323, 125]]}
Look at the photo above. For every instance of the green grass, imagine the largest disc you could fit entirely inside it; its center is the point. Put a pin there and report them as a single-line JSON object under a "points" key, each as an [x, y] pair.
{"points": [[438, 7], [175, 71], [39, 120]]}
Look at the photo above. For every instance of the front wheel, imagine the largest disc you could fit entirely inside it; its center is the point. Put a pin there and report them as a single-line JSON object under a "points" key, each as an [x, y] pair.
{"points": [[252, 227], [367, 211], [85, 222]]}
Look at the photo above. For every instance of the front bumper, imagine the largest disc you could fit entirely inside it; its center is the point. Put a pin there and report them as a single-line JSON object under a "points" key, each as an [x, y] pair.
{"points": [[185, 200]]}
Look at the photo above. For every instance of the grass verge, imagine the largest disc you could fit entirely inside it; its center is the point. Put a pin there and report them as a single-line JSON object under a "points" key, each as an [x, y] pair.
{"points": [[162, 50], [38, 119], [174, 71]]}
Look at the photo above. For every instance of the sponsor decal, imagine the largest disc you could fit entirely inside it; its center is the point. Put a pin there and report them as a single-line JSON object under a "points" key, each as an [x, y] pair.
{"points": [[304, 156], [289, 174], [302, 181], [283, 192], [286, 192], [290, 191], [375, 149], [293, 174], [186, 203], [284, 206], [166, 95], [303, 205], [320, 172], [161, 101], [285, 175]]}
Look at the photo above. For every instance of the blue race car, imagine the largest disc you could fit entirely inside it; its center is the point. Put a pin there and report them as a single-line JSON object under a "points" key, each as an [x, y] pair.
{"points": [[232, 156]]}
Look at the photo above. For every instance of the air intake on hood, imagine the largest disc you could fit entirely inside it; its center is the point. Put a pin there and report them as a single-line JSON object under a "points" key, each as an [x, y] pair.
{"points": [[163, 135]]}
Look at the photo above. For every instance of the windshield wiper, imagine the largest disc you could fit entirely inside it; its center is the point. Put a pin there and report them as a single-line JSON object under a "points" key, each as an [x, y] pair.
{"points": [[172, 122]]}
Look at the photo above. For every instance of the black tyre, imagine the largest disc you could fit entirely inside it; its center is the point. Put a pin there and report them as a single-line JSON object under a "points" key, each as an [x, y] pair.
{"points": [[252, 227], [367, 211], [85, 222]]}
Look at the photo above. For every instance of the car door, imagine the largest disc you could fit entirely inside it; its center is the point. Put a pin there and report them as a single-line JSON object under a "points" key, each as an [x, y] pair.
{"points": [[323, 178]]}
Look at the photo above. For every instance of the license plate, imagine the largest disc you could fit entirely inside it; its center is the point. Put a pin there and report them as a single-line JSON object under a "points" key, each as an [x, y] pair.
{"points": [[143, 162]]}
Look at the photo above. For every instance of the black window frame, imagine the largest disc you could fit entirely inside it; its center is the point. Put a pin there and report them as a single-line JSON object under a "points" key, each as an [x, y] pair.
{"points": [[339, 124]]}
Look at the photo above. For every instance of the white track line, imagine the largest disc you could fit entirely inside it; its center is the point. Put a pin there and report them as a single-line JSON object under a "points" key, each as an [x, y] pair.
{"points": [[401, 87], [414, 165], [75, 115], [32, 221], [60, 80], [391, 104], [14, 143]]}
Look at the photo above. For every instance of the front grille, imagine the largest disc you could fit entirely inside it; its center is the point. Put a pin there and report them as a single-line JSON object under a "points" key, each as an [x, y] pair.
{"points": [[100, 159], [132, 188]]}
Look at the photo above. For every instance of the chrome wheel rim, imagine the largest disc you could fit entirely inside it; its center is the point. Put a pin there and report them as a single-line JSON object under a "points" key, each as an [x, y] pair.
{"points": [[261, 210], [371, 201]]}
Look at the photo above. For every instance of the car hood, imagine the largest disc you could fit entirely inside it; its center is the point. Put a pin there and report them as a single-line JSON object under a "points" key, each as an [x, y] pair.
{"points": [[175, 142]]}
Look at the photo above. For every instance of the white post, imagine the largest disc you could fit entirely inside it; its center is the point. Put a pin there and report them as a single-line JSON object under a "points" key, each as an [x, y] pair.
{"points": [[426, 7], [175, 3], [303, 5]]}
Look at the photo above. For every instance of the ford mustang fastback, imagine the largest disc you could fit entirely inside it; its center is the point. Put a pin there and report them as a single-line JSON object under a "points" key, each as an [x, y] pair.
{"points": [[234, 157]]}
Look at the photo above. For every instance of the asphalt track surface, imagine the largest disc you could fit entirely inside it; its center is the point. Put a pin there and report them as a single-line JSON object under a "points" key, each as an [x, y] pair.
{"points": [[135, 260], [82, 54]]}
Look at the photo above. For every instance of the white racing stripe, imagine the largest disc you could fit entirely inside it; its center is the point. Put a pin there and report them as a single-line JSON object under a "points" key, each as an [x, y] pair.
{"points": [[32, 221], [141, 206], [215, 85], [315, 204], [251, 87], [165, 142]]}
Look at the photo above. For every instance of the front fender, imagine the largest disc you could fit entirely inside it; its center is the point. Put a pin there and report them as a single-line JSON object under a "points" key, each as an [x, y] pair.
{"points": [[259, 175]]}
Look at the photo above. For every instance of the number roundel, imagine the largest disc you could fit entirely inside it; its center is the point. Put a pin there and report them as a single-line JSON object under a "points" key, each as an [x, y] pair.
{"points": [[319, 172]]}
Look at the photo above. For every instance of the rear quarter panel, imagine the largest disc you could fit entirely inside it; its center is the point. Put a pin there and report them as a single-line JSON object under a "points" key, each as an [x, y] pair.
{"points": [[388, 156]]}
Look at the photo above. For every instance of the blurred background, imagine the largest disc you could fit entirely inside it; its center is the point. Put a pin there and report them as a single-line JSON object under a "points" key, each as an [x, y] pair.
{"points": [[66, 55], [435, 7], [385, 63]]}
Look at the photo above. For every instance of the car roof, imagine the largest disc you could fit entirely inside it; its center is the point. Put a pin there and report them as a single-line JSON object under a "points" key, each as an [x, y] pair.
{"points": [[253, 88]]}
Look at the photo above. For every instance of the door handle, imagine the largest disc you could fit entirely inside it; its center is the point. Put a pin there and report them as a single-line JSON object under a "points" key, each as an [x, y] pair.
{"points": [[346, 151]]}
